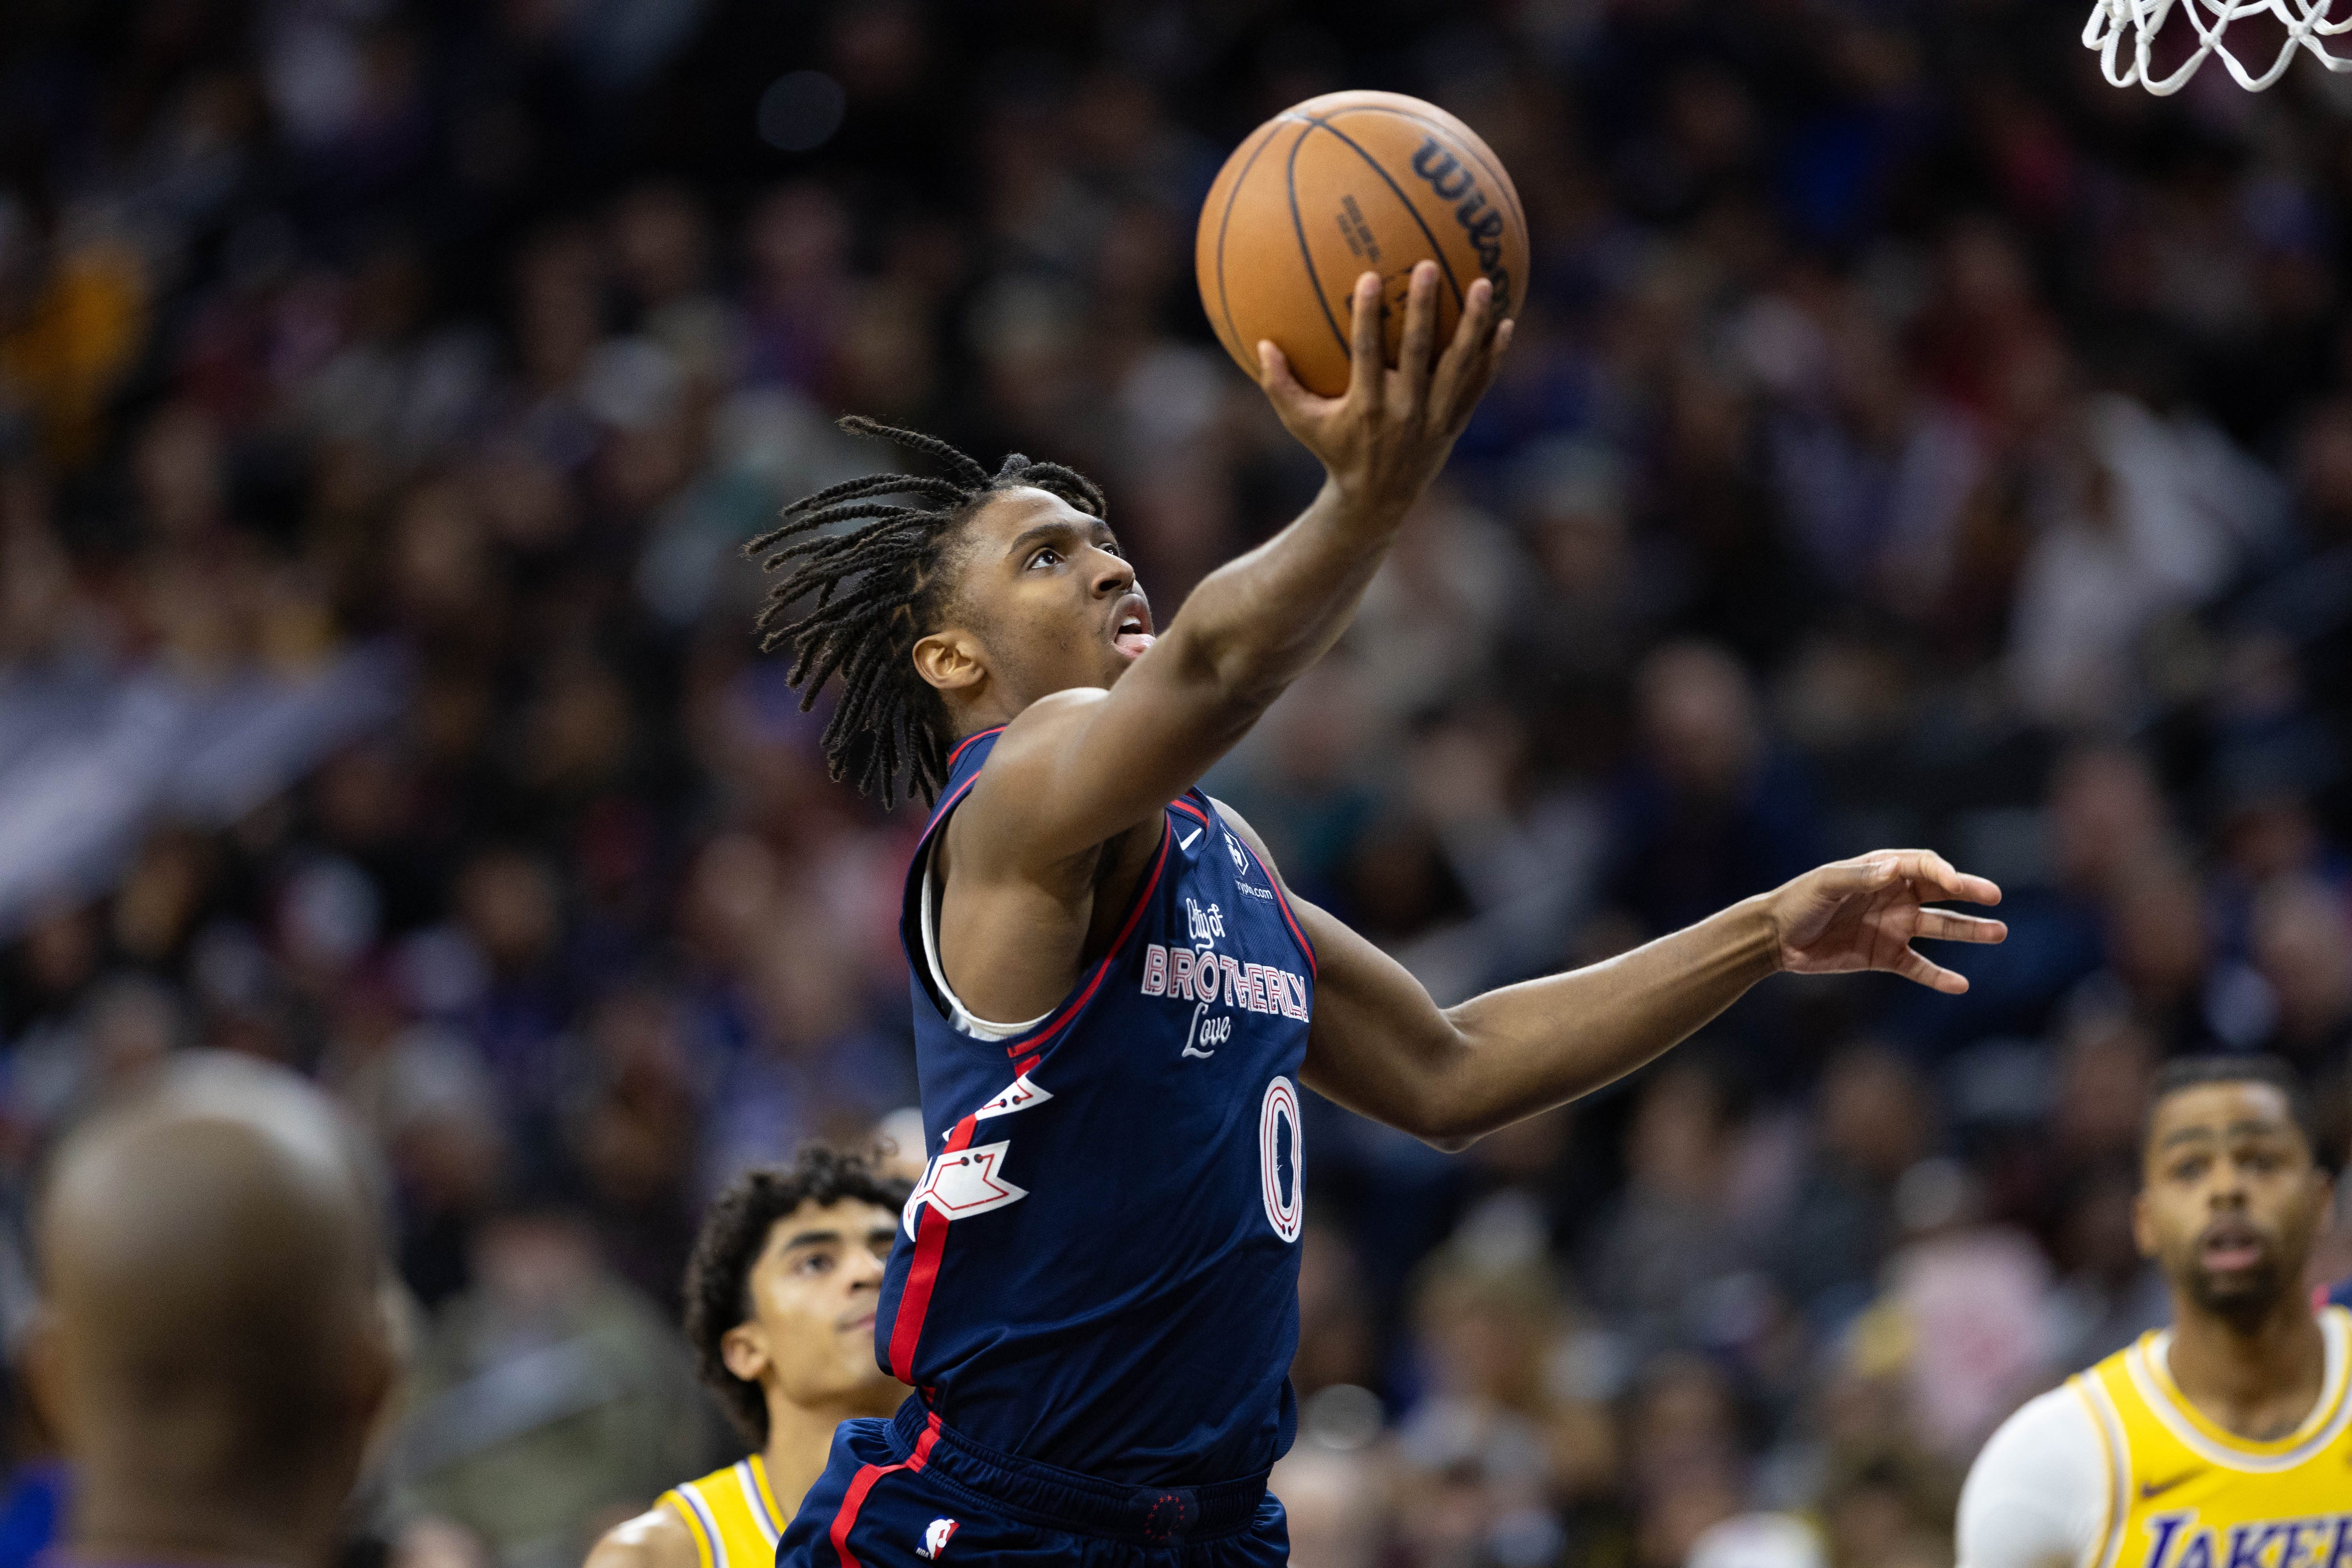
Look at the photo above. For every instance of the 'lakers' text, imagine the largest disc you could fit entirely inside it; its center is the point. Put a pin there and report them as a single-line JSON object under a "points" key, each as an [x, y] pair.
{"points": [[2322, 1542]]}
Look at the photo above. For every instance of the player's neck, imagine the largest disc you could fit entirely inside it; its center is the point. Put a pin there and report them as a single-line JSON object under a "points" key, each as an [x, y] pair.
{"points": [[2259, 1380], [800, 1439]]}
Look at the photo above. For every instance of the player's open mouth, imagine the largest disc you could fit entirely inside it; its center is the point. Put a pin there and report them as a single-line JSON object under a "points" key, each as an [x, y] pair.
{"points": [[1132, 636], [2229, 1249]]}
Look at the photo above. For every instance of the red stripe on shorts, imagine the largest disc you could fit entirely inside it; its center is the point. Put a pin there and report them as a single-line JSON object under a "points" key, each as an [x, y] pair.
{"points": [[844, 1519]]}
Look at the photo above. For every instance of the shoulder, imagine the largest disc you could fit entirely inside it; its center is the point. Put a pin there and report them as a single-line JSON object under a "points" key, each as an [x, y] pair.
{"points": [[1038, 731], [2037, 1497], [658, 1538], [1247, 835]]}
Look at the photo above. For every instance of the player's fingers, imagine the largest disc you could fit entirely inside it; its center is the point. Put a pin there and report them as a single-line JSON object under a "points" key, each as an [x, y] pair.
{"points": [[1416, 355], [1944, 925], [1911, 967], [1292, 402], [1483, 375], [1468, 362], [1366, 354], [1867, 875], [1936, 878]]}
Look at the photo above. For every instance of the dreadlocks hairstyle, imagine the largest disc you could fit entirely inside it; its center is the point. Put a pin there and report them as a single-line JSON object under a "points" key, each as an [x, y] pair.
{"points": [[880, 589]]}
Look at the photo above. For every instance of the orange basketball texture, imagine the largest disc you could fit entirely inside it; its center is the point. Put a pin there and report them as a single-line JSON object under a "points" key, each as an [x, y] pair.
{"points": [[1339, 186]]}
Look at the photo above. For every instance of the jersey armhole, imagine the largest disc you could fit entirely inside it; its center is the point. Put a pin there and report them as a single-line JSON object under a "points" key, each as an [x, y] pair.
{"points": [[1030, 1038], [2111, 1497], [1273, 881], [705, 1550]]}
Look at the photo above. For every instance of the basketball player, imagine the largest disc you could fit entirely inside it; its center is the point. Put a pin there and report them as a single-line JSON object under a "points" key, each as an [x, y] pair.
{"points": [[1117, 1003], [2226, 1440], [212, 1345], [780, 1298]]}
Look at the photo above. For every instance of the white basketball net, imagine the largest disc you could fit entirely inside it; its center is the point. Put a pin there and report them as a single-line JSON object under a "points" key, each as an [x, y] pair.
{"points": [[2124, 32]]}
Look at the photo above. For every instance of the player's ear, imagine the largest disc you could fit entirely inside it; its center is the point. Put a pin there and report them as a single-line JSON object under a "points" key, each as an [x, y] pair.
{"points": [[744, 1351], [376, 1362], [2143, 1225], [951, 660]]}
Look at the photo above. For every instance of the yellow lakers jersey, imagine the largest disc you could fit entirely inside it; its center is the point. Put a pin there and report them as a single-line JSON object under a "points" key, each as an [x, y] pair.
{"points": [[2184, 1493], [731, 1514]]}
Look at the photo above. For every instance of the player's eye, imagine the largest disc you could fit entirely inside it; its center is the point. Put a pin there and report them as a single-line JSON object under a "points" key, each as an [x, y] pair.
{"points": [[815, 1263], [1049, 556]]}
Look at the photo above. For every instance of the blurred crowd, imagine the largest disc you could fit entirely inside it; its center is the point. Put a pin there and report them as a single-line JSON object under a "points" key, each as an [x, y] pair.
{"points": [[1909, 439]]}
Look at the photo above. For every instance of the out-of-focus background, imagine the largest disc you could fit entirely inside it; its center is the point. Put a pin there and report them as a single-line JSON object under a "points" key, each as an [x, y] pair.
{"points": [[1909, 439]]}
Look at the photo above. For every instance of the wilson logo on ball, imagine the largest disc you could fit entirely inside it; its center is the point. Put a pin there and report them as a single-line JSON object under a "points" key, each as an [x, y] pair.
{"points": [[1481, 221]]}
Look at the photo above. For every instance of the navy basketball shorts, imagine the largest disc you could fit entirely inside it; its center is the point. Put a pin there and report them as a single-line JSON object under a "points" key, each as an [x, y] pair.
{"points": [[907, 1492]]}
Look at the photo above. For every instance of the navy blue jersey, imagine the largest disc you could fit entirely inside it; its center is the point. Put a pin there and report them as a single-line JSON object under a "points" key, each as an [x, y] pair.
{"points": [[1099, 1269], [2341, 1296]]}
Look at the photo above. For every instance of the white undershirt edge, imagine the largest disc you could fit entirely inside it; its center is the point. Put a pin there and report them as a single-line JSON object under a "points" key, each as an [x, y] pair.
{"points": [[2035, 1498], [963, 1019]]}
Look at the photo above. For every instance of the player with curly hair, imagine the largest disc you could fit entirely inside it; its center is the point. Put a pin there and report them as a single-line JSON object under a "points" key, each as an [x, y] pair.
{"points": [[780, 1300]]}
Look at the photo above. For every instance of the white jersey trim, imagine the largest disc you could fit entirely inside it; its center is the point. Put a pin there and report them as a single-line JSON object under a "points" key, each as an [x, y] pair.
{"points": [[961, 1019], [2150, 1366], [701, 1506]]}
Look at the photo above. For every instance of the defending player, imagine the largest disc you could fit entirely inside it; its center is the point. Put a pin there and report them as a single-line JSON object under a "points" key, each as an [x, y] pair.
{"points": [[1117, 1001], [2225, 1441], [780, 1300]]}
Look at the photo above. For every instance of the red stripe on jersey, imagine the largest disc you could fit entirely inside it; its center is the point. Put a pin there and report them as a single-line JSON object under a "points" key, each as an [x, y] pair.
{"points": [[948, 805], [966, 745], [1283, 903], [923, 1274], [1189, 809], [1150, 883]]}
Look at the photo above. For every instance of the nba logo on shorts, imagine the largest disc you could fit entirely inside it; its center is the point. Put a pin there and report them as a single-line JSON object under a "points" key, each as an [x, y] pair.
{"points": [[935, 1538]]}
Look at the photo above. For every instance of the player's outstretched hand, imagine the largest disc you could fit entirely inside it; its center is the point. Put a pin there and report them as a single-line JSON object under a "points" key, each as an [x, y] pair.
{"points": [[1385, 438], [1862, 913]]}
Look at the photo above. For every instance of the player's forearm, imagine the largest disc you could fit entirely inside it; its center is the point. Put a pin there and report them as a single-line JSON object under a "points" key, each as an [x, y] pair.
{"points": [[1529, 1046], [1255, 624]]}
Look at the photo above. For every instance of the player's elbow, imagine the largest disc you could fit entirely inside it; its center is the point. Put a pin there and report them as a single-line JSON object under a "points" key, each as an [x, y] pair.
{"points": [[1448, 1130], [1443, 1124]]}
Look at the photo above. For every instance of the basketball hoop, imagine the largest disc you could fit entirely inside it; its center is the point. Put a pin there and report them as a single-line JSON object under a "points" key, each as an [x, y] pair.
{"points": [[2124, 32]]}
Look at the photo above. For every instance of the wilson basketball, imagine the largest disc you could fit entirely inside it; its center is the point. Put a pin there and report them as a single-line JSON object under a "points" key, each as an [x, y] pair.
{"points": [[1338, 185]]}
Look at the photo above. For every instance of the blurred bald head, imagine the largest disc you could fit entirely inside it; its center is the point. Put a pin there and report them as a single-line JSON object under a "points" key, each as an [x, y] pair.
{"points": [[213, 1345]]}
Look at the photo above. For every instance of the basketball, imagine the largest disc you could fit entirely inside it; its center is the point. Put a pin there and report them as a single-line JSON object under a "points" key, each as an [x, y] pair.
{"points": [[1338, 185]]}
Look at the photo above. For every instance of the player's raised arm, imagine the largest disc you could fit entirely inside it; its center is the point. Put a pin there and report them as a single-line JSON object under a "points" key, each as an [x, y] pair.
{"points": [[1379, 1046], [1082, 764]]}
